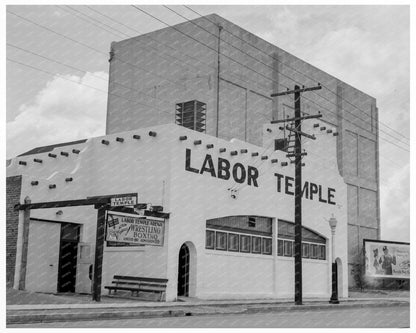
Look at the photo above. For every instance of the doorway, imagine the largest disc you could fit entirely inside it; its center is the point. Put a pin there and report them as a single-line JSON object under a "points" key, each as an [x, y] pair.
{"points": [[68, 252], [339, 278], [183, 271]]}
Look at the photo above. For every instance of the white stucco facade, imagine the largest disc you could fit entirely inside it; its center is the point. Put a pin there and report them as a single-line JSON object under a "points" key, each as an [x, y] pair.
{"points": [[156, 168]]}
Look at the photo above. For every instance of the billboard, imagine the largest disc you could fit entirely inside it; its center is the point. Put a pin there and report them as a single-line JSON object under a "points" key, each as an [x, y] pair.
{"points": [[134, 229], [385, 259]]}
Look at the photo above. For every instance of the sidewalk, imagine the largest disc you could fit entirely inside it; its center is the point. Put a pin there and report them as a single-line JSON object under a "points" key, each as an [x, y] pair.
{"points": [[24, 307]]}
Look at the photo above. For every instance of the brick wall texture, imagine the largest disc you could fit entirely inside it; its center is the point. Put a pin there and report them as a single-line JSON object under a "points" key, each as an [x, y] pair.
{"points": [[13, 190]]}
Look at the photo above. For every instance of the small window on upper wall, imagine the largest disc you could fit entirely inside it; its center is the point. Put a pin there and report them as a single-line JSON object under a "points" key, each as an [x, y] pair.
{"points": [[281, 144], [252, 222], [210, 239], [221, 241], [191, 115]]}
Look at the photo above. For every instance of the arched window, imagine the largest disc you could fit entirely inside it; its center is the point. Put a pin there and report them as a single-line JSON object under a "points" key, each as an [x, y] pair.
{"points": [[242, 233], [313, 244]]}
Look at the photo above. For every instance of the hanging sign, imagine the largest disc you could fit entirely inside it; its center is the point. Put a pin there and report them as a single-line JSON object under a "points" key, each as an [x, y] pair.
{"points": [[134, 229], [123, 200]]}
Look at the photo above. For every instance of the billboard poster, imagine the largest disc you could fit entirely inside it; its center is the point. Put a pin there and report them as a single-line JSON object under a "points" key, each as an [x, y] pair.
{"points": [[132, 229], [387, 259]]}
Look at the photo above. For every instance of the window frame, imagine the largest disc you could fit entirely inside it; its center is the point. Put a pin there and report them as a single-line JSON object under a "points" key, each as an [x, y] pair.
{"points": [[305, 246], [217, 235], [314, 251], [249, 243], [280, 247], [207, 231], [264, 240], [253, 240], [285, 254], [321, 252], [229, 242]]}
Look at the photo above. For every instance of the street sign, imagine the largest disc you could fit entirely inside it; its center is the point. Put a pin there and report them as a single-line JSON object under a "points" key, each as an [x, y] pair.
{"points": [[123, 200]]}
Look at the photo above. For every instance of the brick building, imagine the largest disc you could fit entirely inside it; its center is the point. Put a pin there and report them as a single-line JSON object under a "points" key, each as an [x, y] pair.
{"points": [[13, 191]]}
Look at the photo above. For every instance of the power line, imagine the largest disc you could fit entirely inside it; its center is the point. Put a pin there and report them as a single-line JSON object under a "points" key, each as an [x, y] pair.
{"points": [[83, 84], [180, 61], [364, 129], [94, 49], [132, 64], [258, 60], [292, 68], [84, 71], [93, 19]]}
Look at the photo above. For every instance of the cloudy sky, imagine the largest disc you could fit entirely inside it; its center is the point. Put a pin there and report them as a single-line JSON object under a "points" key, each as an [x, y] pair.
{"points": [[57, 71]]}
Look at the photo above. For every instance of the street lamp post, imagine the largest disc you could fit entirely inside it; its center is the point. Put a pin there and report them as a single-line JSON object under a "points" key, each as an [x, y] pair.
{"points": [[334, 297]]}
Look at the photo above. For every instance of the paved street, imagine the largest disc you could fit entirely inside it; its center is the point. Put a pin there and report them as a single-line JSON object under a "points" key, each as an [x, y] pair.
{"points": [[388, 317]]}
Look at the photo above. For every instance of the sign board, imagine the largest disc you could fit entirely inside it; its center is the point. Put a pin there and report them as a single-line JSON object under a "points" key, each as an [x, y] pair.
{"points": [[134, 229], [123, 200], [385, 259]]}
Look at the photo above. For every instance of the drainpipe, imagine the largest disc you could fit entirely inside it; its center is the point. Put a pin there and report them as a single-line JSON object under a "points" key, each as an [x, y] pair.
{"points": [[218, 80]]}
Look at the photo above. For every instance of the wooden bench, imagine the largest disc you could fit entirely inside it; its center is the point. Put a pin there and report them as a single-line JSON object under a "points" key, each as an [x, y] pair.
{"points": [[136, 284]]}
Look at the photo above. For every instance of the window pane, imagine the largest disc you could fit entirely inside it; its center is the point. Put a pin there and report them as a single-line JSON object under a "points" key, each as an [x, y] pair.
{"points": [[280, 247], [221, 241], [321, 252], [314, 251], [256, 244], [288, 248], [267, 246], [210, 239], [245, 243], [305, 250], [233, 242]]}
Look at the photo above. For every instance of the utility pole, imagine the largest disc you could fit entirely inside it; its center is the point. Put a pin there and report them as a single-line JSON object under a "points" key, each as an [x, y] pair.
{"points": [[297, 154], [99, 251]]}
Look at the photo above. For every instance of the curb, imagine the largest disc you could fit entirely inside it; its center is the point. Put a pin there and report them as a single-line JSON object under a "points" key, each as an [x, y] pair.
{"points": [[40, 316]]}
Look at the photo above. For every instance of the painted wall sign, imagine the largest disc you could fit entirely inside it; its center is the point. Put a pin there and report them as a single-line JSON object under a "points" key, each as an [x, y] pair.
{"points": [[310, 190], [223, 169], [133, 229], [123, 200], [387, 259]]}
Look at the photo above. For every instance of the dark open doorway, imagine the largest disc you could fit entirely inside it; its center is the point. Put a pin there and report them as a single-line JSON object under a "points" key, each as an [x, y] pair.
{"points": [[68, 257], [183, 271]]}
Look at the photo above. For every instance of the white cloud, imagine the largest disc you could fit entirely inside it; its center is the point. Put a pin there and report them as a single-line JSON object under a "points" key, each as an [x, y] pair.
{"points": [[395, 203], [62, 111]]}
